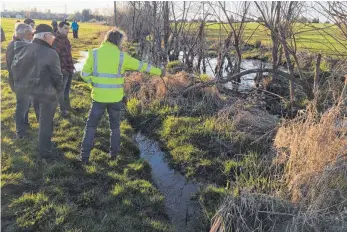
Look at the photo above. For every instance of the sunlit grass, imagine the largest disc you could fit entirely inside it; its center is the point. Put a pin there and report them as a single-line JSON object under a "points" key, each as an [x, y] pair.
{"points": [[59, 194]]}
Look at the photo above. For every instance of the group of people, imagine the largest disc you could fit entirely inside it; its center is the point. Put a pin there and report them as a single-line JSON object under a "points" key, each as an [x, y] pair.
{"points": [[40, 69]]}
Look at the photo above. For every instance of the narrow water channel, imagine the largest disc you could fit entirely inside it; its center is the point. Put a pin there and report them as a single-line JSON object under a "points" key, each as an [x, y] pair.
{"points": [[184, 212]]}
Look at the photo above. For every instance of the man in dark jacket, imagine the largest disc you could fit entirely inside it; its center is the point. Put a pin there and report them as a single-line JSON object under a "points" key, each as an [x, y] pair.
{"points": [[38, 67], [23, 32], [63, 47]]}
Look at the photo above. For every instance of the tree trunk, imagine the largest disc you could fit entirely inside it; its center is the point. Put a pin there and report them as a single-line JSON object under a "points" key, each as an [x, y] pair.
{"points": [[316, 75], [238, 63], [166, 13], [221, 56], [291, 80]]}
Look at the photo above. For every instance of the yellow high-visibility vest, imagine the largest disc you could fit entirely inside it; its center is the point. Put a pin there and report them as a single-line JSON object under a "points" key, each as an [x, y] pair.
{"points": [[104, 70]]}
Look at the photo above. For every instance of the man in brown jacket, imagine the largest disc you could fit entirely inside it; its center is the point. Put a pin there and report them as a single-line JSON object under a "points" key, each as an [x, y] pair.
{"points": [[36, 70], [63, 47]]}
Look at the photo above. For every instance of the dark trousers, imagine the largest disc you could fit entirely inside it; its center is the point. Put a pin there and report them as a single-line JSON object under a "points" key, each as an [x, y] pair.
{"points": [[96, 112], [22, 111], [45, 113], [75, 34], [64, 98]]}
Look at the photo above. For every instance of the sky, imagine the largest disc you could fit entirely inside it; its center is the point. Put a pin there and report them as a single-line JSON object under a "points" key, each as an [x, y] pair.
{"points": [[72, 6], [56, 6]]}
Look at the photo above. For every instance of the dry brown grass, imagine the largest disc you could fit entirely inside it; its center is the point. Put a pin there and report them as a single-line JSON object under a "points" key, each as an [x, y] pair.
{"points": [[263, 213], [169, 89], [247, 117], [313, 148], [310, 146]]}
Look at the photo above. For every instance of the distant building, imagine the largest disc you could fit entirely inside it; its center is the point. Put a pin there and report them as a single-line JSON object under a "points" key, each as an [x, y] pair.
{"points": [[18, 16]]}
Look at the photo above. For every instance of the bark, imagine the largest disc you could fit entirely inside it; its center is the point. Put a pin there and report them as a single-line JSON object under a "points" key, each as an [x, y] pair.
{"points": [[316, 75]]}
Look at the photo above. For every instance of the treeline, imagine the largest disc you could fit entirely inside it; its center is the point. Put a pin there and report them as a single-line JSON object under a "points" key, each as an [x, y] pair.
{"points": [[85, 15]]}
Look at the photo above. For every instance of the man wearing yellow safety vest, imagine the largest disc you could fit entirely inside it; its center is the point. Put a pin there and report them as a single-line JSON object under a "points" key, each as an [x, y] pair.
{"points": [[104, 71]]}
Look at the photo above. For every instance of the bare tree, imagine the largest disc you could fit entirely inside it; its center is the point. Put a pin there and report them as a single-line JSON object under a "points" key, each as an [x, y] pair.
{"points": [[175, 45], [237, 22], [270, 13], [166, 16]]}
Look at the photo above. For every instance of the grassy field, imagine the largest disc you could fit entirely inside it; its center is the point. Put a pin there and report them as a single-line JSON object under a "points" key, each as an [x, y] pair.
{"points": [[59, 194], [316, 38]]}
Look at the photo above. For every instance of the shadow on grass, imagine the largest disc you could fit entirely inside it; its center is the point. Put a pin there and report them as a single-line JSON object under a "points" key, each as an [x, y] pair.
{"points": [[60, 194]]}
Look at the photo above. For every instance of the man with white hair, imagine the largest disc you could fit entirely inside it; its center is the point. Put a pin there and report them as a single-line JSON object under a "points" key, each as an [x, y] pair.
{"points": [[36, 69], [23, 32]]}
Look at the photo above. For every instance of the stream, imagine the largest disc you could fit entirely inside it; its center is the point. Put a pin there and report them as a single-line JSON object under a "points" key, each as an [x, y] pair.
{"points": [[184, 212]]}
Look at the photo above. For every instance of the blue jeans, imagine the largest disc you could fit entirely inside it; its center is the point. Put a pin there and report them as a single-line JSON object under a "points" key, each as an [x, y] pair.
{"points": [[45, 114], [22, 110], [96, 112], [64, 98]]}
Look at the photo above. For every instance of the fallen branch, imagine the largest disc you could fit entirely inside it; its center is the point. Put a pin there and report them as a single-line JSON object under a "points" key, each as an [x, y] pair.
{"points": [[235, 77]]}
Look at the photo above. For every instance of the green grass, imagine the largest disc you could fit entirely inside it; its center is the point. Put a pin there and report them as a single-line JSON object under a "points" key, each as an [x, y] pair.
{"points": [[192, 142], [316, 38], [59, 194]]}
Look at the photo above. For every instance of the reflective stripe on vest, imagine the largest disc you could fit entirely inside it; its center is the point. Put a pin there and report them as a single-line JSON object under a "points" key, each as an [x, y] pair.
{"points": [[121, 59], [148, 68], [140, 66], [108, 86], [107, 75], [84, 74], [95, 68]]}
